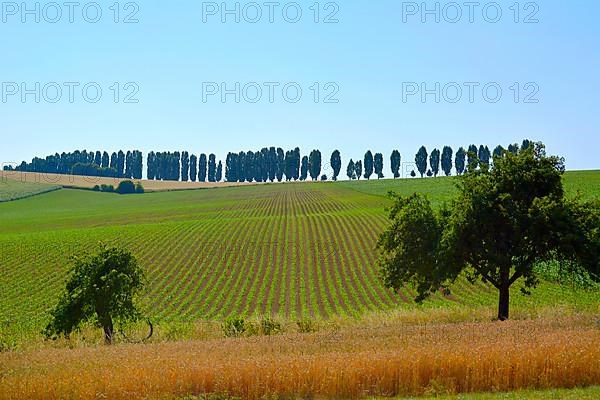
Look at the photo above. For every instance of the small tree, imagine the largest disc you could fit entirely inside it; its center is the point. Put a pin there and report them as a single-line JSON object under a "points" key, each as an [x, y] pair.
{"points": [[421, 160], [126, 187], [504, 222], [395, 163], [459, 161], [101, 288]]}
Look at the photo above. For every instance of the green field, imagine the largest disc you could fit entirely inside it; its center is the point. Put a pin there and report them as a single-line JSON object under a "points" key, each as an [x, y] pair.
{"points": [[294, 250], [15, 190]]}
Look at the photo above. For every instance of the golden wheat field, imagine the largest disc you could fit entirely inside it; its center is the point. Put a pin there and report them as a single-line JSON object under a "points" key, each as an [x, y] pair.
{"points": [[379, 359]]}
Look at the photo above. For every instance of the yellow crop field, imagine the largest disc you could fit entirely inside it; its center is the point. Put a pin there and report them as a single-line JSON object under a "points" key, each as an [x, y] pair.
{"points": [[377, 359]]}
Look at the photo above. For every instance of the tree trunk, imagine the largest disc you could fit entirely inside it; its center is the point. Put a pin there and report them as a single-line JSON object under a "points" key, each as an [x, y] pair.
{"points": [[504, 302], [109, 331]]}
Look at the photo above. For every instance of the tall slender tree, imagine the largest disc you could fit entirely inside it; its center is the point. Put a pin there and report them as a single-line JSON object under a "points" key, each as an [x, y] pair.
{"points": [[212, 167], [421, 160], [193, 168], [472, 157], [280, 164], [447, 160], [498, 151], [185, 166], [358, 167], [219, 173], [105, 160], [368, 164], [484, 156], [314, 164], [434, 162], [351, 170], [459, 161], [304, 169], [336, 164], [378, 165], [202, 165], [395, 161]]}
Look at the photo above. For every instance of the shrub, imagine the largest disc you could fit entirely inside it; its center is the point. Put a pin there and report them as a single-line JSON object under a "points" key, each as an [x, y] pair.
{"points": [[139, 188], [306, 326], [107, 188], [126, 187], [96, 188], [234, 327], [268, 326]]}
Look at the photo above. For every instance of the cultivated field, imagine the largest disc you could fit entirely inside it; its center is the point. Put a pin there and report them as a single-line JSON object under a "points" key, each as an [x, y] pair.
{"points": [[14, 190], [292, 250], [88, 182], [388, 359]]}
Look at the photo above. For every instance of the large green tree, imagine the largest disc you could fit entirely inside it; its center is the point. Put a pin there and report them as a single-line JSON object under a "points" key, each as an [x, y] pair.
{"points": [[395, 160], [368, 164], [304, 168], [101, 288], [421, 160], [505, 221], [336, 164], [202, 167]]}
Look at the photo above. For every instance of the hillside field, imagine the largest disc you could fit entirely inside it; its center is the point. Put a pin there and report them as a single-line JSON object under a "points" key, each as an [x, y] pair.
{"points": [[300, 250], [11, 190]]}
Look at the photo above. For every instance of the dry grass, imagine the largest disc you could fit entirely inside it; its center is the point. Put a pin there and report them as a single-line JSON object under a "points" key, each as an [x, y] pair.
{"points": [[352, 362], [88, 182]]}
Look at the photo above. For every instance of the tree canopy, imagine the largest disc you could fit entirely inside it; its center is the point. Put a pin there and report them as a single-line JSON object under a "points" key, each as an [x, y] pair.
{"points": [[505, 220], [101, 288]]}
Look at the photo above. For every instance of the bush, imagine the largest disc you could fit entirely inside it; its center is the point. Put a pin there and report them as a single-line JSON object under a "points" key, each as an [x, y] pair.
{"points": [[306, 326], [268, 326], [234, 327], [139, 189], [107, 188], [126, 187], [96, 188]]}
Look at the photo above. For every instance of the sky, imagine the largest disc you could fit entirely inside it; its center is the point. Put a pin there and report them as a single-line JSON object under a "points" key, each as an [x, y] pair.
{"points": [[214, 77]]}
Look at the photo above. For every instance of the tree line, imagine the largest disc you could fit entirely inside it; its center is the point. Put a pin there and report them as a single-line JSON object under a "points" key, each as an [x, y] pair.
{"points": [[117, 165], [265, 165]]}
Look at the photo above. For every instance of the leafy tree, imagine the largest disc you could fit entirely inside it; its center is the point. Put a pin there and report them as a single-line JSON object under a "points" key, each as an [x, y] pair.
{"points": [[272, 164], [351, 171], [459, 161], [314, 164], [504, 222], [121, 163], [336, 164], [98, 159], [526, 144], [219, 173], [193, 168], [304, 169], [113, 161], [101, 288], [378, 165], [151, 166], [368, 164], [434, 162], [358, 167], [447, 160], [185, 166], [421, 160], [513, 148], [395, 161], [202, 164]]}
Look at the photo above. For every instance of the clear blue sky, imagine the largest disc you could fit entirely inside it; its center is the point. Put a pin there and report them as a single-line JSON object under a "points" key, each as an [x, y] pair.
{"points": [[369, 53]]}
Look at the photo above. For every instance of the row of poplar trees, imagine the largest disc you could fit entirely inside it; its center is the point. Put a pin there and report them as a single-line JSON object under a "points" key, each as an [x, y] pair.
{"points": [[265, 165]]}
